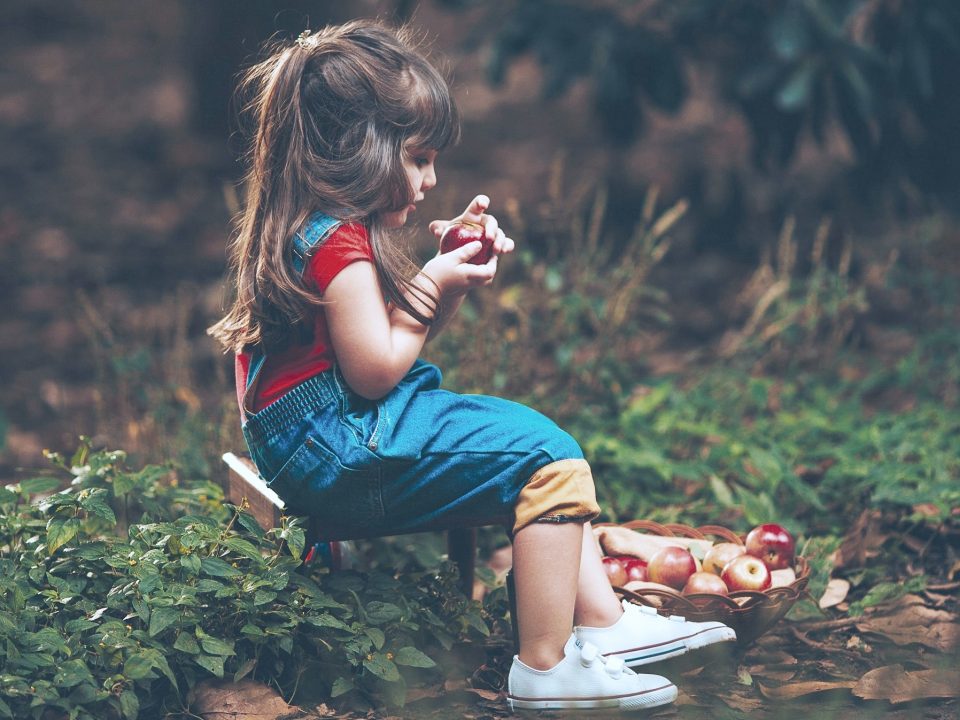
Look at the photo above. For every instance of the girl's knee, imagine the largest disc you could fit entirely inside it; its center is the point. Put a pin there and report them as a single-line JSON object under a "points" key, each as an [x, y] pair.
{"points": [[562, 491]]}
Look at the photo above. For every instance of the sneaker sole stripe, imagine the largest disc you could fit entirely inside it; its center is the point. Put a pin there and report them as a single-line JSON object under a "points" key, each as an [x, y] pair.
{"points": [[606, 700], [672, 651]]}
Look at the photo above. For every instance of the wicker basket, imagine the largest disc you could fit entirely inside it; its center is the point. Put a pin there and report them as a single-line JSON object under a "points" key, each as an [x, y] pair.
{"points": [[750, 613]]}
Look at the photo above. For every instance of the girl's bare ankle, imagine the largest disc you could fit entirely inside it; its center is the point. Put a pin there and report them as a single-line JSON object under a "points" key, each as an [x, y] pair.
{"points": [[540, 659]]}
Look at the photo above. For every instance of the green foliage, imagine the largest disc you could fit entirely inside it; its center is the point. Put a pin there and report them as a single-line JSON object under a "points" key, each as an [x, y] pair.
{"points": [[750, 449], [565, 322], [876, 70], [106, 625]]}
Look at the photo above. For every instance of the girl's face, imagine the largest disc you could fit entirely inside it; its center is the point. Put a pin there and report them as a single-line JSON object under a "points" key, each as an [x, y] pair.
{"points": [[419, 165]]}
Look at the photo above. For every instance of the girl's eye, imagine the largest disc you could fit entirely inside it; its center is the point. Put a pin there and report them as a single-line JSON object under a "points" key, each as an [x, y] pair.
{"points": [[422, 162]]}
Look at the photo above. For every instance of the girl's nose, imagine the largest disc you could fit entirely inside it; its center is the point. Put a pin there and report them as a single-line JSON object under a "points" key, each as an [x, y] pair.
{"points": [[429, 177]]}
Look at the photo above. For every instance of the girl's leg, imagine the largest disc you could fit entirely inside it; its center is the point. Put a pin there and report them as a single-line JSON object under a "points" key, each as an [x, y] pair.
{"points": [[596, 605], [546, 566]]}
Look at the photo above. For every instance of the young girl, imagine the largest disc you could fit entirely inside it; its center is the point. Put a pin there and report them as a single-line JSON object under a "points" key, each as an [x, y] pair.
{"points": [[341, 417]]}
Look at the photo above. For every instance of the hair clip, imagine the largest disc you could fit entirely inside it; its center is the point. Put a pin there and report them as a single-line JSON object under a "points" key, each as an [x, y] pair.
{"points": [[306, 40]]}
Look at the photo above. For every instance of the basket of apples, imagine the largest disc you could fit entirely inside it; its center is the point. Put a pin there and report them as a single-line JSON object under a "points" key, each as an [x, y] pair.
{"points": [[706, 573]]}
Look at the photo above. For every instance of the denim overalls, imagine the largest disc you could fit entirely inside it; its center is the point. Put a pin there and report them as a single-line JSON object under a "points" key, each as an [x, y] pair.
{"points": [[418, 458]]}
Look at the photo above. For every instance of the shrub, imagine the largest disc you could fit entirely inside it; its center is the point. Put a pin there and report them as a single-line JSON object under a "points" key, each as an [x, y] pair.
{"points": [[101, 624]]}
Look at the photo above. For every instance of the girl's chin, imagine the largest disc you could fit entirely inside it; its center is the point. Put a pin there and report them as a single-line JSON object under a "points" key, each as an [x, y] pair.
{"points": [[396, 218]]}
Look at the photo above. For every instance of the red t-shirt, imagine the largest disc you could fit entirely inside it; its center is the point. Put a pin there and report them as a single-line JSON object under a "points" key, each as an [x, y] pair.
{"points": [[283, 370]]}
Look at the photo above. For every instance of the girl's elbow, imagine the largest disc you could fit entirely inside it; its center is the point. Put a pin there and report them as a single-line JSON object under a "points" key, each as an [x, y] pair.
{"points": [[372, 384]]}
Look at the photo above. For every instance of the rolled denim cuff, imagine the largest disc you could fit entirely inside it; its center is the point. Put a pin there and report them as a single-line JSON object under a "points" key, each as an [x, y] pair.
{"points": [[562, 491]]}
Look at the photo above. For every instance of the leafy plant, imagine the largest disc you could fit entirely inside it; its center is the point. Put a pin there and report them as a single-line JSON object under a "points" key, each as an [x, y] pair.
{"points": [[564, 324], [105, 625]]}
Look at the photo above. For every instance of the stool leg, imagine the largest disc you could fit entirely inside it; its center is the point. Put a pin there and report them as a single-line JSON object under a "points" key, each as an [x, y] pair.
{"points": [[462, 550]]}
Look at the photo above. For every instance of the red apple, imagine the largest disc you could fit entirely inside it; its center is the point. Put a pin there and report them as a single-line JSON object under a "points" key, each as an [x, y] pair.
{"points": [[460, 233], [746, 572], [705, 582], [772, 544], [635, 567], [615, 572], [719, 555], [671, 566]]}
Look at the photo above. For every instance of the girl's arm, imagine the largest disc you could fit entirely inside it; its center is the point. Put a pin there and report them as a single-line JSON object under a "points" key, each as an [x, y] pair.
{"points": [[376, 345]]}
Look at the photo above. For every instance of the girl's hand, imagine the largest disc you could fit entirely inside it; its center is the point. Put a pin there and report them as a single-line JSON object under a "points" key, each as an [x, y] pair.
{"points": [[455, 275], [476, 214]]}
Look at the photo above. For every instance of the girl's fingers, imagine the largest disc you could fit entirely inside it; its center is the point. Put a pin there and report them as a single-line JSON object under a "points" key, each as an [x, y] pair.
{"points": [[463, 253], [438, 226], [475, 210], [490, 227], [502, 244]]}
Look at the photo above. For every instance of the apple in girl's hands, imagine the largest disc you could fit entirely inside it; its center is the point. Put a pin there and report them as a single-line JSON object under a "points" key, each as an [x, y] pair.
{"points": [[474, 224], [461, 232], [772, 544]]}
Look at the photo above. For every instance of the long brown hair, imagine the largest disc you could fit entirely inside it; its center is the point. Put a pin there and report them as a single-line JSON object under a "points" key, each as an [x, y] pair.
{"points": [[332, 115]]}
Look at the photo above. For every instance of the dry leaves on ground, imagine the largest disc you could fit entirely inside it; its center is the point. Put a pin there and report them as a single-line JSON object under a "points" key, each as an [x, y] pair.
{"points": [[893, 683], [244, 700]]}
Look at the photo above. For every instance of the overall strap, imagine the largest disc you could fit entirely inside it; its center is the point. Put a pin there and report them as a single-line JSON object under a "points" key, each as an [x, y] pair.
{"points": [[319, 227]]}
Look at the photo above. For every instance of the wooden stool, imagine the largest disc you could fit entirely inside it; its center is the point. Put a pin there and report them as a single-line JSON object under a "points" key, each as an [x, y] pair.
{"points": [[266, 507]]}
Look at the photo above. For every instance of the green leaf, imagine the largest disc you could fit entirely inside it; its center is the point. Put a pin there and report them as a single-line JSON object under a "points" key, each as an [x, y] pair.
{"points": [[243, 547], [379, 612], [211, 663], [129, 704], [216, 567], [341, 686], [251, 525], [139, 666], [295, 539], [262, 597], [185, 642], [383, 668], [722, 492], [161, 618], [96, 504], [71, 673], [191, 563], [414, 658], [60, 532], [216, 646], [376, 636], [35, 486], [327, 620]]}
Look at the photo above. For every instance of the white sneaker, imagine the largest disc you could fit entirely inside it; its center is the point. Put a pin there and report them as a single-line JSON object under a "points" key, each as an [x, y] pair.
{"points": [[642, 636], [585, 679]]}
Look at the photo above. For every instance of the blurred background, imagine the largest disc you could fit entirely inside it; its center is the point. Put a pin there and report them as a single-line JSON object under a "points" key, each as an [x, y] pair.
{"points": [[767, 184]]}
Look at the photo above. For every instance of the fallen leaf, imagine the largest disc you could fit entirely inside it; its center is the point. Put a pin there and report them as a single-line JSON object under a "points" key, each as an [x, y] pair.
{"points": [[485, 694], [741, 698], [863, 541], [799, 689], [835, 593], [892, 683], [911, 622], [245, 700]]}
